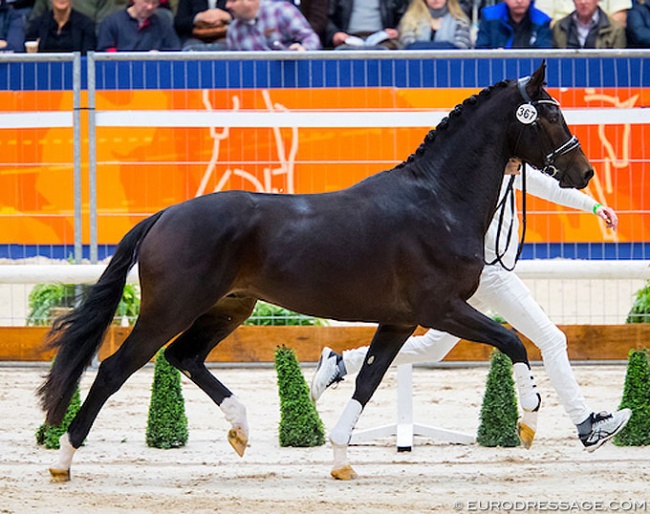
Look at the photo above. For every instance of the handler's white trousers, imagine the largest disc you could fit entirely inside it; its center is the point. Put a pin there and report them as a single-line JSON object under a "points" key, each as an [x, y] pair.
{"points": [[504, 293]]}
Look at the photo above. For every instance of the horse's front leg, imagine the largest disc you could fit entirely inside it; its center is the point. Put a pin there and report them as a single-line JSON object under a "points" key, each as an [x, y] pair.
{"points": [[385, 345], [462, 320]]}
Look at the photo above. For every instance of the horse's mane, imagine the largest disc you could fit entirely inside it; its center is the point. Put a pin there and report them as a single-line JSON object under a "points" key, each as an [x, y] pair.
{"points": [[456, 112]]}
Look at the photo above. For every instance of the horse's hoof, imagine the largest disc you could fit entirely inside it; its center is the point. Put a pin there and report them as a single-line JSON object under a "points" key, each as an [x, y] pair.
{"points": [[238, 440], [526, 435], [344, 473], [60, 475]]}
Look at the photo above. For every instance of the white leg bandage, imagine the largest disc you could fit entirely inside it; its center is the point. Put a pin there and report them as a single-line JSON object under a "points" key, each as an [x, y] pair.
{"points": [[340, 436], [66, 452], [528, 397], [235, 413], [342, 432]]}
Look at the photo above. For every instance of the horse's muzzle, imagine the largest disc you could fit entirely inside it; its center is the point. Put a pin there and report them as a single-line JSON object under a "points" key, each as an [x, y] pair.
{"points": [[566, 181]]}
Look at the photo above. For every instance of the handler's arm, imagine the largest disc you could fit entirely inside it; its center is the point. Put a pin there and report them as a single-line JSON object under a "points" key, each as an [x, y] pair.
{"points": [[541, 185]]}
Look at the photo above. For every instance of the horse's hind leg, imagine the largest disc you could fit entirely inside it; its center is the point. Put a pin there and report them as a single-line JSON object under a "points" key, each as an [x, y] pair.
{"points": [[384, 347], [141, 345], [189, 351]]}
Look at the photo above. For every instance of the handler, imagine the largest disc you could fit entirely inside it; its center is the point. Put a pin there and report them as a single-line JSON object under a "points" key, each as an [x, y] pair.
{"points": [[503, 291]]}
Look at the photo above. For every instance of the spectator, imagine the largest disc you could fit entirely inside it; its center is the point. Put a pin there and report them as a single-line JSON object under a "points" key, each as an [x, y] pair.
{"points": [[316, 13], [638, 25], [269, 25], [202, 24], [588, 27], [12, 31], [96, 10], [558, 9], [23, 8], [362, 18], [514, 24], [138, 28], [63, 29], [434, 24]]}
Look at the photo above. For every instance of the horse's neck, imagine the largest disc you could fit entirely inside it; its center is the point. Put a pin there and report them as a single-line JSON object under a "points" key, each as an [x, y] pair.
{"points": [[470, 177]]}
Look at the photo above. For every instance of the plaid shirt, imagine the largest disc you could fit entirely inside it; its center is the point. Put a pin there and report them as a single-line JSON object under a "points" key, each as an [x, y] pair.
{"points": [[277, 26]]}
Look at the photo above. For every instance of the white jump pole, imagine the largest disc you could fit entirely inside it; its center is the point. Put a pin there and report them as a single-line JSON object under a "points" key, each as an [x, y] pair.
{"points": [[556, 269], [405, 429], [56, 273]]}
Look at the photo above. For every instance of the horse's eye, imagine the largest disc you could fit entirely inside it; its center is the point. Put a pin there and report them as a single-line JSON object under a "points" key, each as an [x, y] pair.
{"points": [[553, 116]]}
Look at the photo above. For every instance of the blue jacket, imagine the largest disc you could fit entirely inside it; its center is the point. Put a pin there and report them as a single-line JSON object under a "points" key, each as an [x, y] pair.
{"points": [[638, 25], [120, 32], [11, 29], [495, 30]]}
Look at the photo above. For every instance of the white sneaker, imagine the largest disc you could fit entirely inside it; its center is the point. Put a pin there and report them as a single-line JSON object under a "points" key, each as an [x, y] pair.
{"points": [[604, 426], [330, 370]]}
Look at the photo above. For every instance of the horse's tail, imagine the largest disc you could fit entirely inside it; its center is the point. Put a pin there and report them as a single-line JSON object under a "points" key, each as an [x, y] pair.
{"points": [[78, 335]]}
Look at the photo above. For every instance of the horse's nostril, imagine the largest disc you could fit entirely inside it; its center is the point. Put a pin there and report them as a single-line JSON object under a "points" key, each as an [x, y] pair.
{"points": [[589, 174]]}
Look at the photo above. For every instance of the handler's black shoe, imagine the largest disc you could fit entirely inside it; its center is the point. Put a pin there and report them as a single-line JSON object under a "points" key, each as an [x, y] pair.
{"points": [[604, 426], [330, 370]]}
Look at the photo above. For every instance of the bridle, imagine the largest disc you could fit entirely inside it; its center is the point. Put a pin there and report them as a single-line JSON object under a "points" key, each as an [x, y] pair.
{"points": [[528, 117], [530, 107]]}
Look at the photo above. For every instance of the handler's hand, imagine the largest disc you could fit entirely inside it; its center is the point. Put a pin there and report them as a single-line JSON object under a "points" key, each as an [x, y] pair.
{"points": [[608, 214]]}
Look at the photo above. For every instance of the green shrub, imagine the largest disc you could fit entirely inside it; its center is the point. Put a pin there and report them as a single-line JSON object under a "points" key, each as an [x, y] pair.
{"points": [[167, 423], [44, 298], [129, 305], [640, 311], [266, 314], [48, 435], [636, 396], [499, 412], [300, 424]]}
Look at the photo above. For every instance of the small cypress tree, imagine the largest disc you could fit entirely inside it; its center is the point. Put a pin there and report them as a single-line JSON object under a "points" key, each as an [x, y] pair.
{"points": [[48, 435], [636, 396], [167, 423], [499, 411], [300, 424]]}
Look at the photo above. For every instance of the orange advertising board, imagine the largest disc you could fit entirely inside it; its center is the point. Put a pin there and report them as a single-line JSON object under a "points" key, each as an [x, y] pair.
{"points": [[143, 169]]}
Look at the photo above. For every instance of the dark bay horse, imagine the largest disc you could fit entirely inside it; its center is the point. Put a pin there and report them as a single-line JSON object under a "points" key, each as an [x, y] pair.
{"points": [[402, 248]]}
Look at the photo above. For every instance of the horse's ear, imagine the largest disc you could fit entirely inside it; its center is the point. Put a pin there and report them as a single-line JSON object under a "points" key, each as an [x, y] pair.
{"points": [[537, 80]]}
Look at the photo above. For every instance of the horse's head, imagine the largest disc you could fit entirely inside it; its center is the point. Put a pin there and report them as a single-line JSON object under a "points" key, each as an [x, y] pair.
{"points": [[540, 136]]}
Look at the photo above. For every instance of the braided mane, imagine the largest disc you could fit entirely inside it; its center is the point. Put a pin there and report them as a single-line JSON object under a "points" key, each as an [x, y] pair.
{"points": [[456, 112]]}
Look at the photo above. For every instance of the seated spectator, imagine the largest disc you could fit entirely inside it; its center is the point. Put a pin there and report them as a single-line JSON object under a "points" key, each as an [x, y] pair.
{"points": [[202, 24], [434, 24], [588, 27], [63, 30], [12, 31], [352, 21], [638, 25], [558, 9], [22, 7], [514, 24], [96, 10], [316, 13], [167, 10], [137, 28], [269, 25]]}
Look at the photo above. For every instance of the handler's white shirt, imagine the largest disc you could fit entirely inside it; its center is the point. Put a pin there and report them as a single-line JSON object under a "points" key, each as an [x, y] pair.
{"points": [[537, 184]]}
